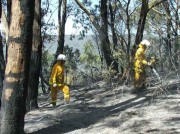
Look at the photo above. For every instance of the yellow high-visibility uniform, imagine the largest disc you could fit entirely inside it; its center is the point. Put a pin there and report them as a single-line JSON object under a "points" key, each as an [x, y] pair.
{"points": [[57, 77], [139, 67]]}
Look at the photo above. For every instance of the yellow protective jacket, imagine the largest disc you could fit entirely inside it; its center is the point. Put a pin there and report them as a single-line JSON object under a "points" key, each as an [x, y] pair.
{"points": [[140, 59], [57, 74]]}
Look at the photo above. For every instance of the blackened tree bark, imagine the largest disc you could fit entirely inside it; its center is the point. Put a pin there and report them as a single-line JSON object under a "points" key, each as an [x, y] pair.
{"points": [[2, 67], [113, 29], [9, 4], [103, 32], [142, 21], [172, 30], [2, 62], [112, 24], [177, 26], [35, 66], [0, 10], [17, 67], [62, 22], [169, 32], [105, 43]]}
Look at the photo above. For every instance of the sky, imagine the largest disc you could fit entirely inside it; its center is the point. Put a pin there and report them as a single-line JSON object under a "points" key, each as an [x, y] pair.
{"points": [[69, 23], [54, 18]]}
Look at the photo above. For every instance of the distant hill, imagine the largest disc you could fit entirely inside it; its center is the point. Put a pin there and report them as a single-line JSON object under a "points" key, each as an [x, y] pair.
{"points": [[76, 43]]}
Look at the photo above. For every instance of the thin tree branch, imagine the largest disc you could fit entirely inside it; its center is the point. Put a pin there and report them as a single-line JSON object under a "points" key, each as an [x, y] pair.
{"points": [[155, 4], [90, 15]]}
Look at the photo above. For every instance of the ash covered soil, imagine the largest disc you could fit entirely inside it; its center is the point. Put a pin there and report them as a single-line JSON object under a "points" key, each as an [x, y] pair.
{"points": [[97, 109]]}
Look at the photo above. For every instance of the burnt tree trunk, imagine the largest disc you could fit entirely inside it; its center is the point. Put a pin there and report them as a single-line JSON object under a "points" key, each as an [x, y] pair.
{"points": [[168, 35], [142, 21], [35, 64], [112, 25], [142, 18], [113, 29], [17, 68], [105, 43], [102, 30], [177, 42], [2, 67], [62, 22], [2, 62], [9, 4]]}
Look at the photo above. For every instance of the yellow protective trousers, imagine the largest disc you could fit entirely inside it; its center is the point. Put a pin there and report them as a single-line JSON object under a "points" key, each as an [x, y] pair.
{"points": [[64, 89], [140, 80]]}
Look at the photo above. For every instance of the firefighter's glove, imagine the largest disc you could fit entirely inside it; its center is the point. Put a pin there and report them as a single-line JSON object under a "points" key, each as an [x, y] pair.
{"points": [[54, 85], [149, 64], [152, 60]]}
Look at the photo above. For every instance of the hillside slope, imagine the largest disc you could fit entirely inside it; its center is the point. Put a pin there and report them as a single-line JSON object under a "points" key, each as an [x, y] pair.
{"points": [[75, 43], [100, 110]]}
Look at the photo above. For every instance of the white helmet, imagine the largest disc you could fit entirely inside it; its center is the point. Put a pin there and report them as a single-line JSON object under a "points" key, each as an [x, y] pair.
{"points": [[61, 57], [146, 43]]}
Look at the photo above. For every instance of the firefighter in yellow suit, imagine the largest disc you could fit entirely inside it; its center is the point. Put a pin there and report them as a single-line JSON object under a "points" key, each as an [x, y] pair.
{"points": [[57, 80], [140, 64]]}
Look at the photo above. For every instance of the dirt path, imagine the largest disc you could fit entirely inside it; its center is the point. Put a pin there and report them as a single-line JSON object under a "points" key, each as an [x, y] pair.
{"points": [[98, 110]]}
